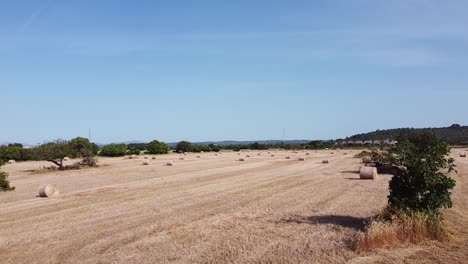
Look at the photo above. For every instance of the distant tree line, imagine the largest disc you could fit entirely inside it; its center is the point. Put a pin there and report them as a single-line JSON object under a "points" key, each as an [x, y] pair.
{"points": [[452, 135]]}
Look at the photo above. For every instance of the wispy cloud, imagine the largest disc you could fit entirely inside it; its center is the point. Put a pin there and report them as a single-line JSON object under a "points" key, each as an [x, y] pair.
{"points": [[35, 15]]}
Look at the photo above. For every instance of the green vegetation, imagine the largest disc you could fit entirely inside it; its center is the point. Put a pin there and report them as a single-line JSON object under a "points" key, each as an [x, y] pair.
{"points": [[423, 186], [156, 147], [114, 150], [453, 135], [419, 188], [184, 146], [4, 182], [54, 152], [82, 148], [15, 152]]}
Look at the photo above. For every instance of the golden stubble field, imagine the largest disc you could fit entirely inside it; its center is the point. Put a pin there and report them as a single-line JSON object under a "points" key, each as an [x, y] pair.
{"points": [[212, 209]]}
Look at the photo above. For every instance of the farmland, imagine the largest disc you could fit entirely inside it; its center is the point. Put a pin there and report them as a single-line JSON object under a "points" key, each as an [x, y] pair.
{"points": [[210, 209]]}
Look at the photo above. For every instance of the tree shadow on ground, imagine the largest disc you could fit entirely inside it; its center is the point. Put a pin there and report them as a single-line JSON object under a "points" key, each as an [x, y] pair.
{"points": [[356, 223]]}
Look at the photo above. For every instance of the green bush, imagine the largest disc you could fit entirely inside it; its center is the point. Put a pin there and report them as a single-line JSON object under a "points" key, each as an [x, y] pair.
{"points": [[81, 147], [95, 149], [4, 182], [15, 152], [184, 146], [421, 184], [114, 150], [157, 147], [133, 151]]}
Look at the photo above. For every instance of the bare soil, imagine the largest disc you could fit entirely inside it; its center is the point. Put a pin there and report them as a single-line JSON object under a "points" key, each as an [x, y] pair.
{"points": [[213, 209]]}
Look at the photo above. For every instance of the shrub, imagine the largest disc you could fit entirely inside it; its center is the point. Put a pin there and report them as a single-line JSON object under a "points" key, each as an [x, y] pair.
{"points": [[419, 188], [157, 147], [114, 150], [214, 148], [184, 146], [423, 186], [133, 152], [4, 182], [15, 152]]}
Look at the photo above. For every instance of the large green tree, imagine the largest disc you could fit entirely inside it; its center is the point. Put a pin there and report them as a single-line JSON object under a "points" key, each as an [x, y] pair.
{"points": [[184, 146], [54, 152], [157, 147]]}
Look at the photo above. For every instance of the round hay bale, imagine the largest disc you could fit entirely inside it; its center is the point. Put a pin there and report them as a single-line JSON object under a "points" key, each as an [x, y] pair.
{"points": [[332, 152], [272, 155], [11, 162], [146, 157], [301, 159], [463, 155], [66, 159], [238, 153], [307, 153], [198, 157], [241, 159], [287, 157], [345, 153], [48, 190], [247, 156], [368, 173], [216, 154], [146, 163], [325, 161], [153, 158], [133, 156], [181, 158], [170, 163], [259, 154], [185, 153]]}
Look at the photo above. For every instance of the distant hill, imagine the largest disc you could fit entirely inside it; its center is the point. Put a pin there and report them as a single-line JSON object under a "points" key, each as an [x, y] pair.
{"points": [[454, 134]]}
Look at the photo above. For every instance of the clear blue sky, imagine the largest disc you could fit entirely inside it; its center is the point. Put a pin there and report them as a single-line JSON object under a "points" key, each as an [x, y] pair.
{"points": [[219, 70]]}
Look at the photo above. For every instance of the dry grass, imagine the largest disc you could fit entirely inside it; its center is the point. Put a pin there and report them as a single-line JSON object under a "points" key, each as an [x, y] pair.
{"points": [[395, 229]]}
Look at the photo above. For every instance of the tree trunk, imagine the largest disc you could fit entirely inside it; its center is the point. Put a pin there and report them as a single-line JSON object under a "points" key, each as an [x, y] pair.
{"points": [[58, 163]]}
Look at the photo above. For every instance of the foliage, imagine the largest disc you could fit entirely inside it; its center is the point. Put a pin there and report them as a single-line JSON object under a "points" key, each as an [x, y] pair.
{"points": [[137, 146], [81, 147], [421, 184], [114, 150], [184, 146], [133, 152], [157, 147], [95, 149], [4, 182], [54, 152], [15, 152], [455, 134]]}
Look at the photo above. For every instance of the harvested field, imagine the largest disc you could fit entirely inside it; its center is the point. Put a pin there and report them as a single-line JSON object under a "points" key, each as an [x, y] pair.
{"points": [[211, 209]]}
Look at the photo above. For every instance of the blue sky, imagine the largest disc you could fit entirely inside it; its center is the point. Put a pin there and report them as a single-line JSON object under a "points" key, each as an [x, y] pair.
{"points": [[229, 70]]}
